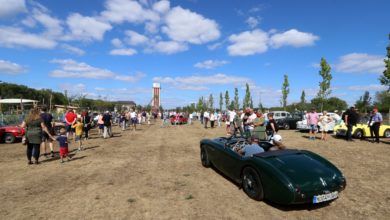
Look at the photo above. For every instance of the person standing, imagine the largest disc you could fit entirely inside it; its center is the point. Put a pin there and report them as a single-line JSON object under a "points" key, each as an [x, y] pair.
{"points": [[271, 127], [324, 121], [34, 128], [47, 119], [78, 126], [100, 124], [212, 119], [70, 118], [107, 125], [206, 117], [350, 119], [376, 121], [312, 121], [86, 120], [63, 142]]}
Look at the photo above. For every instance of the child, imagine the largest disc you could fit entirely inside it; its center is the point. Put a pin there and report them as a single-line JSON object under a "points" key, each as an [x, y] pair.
{"points": [[79, 131], [63, 142]]}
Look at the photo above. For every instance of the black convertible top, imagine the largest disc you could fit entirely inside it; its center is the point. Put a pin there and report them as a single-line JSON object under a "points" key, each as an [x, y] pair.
{"points": [[276, 153]]}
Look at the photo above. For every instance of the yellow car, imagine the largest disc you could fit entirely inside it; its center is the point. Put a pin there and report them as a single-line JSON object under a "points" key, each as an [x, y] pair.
{"points": [[361, 130]]}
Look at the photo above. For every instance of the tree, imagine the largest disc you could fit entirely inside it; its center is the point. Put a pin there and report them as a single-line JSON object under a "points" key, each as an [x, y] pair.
{"points": [[303, 101], [247, 99], [211, 102], [364, 102], [261, 107], [227, 99], [220, 101], [285, 91], [199, 106], [330, 104], [251, 103], [382, 101], [324, 91], [236, 104], [385, 79]]}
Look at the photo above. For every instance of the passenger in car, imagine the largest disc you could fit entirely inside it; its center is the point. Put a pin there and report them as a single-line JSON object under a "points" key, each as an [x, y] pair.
{"points": [[251, 148]]}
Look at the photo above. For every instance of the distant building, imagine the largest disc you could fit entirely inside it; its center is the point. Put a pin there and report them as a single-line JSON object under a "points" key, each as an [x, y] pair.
{"points": [[156, 96], [124, 105]]}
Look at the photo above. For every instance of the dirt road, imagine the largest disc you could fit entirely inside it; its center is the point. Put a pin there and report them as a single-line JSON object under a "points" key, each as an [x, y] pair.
{"points": [[155, 173]]}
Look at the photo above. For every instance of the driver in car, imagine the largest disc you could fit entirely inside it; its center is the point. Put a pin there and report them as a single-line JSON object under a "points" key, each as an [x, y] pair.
{"points": [[251, 148]]}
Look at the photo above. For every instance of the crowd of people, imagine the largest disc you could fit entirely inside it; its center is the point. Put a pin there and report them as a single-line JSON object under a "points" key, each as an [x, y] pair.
{"points": [[40, 129], [40, 133]]}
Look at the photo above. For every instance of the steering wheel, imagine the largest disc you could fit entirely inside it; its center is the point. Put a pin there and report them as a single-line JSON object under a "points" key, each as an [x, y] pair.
{"points": [[239, 145]]}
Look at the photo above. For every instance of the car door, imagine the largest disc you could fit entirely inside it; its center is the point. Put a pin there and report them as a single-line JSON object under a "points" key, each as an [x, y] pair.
{"points": [[226, 160]]}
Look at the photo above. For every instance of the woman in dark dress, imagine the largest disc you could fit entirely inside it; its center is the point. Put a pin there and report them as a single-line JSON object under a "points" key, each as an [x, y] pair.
{"points": [[34, 127]]}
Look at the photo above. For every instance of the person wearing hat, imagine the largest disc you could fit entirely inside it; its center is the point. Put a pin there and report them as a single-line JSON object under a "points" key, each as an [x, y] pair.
{"points": [[351, 118], [375, 123]]}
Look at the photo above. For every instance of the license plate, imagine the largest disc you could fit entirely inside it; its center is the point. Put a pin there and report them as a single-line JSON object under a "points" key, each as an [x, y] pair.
{"points": [[325, 197]]}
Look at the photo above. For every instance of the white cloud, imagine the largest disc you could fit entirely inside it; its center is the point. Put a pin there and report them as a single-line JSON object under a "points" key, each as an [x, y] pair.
{"points": [[372, 87], [8, 67], [210, 64], [135, 38], [117, 43], [10, 8], [293, 38], [123, 52], [119, 11], [186, 26], [360, 63], [161, 6], [74, 89], [248, 43], [53, 25], [72, 49], [72, 69], [13, 37], [86, 28], [253, 21], [169, 47], [199, 82]]}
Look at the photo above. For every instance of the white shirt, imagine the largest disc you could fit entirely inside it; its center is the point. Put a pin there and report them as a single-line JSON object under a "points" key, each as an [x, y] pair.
{"points": [[232, 115], [133, 115], [206, 115]]}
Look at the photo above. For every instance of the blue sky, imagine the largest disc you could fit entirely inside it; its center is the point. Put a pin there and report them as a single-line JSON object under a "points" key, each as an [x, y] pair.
{"points": [[116, 49]]}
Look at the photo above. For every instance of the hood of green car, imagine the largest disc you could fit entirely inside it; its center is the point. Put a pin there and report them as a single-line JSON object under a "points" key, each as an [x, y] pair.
{"points": [[305, 172]]}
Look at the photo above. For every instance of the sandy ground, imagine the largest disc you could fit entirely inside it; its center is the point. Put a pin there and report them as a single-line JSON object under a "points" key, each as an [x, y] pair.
{"points": [[155, 173]]}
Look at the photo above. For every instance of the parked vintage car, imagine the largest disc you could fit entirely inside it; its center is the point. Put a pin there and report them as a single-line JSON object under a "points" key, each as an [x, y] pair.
{"points": [[361, 130], [289, 122], [302, 125], [280, 114], [178, 120], [10, 134], [282, 176]]}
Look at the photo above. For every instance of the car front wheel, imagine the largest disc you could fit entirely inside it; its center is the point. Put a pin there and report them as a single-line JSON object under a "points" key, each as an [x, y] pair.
{"points": [[204, 157], [251, 184], [9, 138], [286, 126], [387, 133], [358, 133]]}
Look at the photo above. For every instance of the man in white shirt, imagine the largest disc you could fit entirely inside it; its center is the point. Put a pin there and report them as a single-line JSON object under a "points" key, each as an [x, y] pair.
{"points": [[206, 117]]}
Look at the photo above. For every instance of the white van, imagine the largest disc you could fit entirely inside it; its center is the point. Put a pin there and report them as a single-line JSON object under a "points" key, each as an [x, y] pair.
{"points": [[280, 114]]}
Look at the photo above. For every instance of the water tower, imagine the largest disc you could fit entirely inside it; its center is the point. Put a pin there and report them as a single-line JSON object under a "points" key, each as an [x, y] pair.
{"points": [[156, 96]]}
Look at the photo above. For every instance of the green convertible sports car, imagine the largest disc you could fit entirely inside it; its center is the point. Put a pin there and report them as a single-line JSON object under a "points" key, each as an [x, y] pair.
{"points": [[282, 176]]}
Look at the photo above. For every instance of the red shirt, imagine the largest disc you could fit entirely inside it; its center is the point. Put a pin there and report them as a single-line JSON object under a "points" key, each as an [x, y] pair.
{"points": [[70, 117]]}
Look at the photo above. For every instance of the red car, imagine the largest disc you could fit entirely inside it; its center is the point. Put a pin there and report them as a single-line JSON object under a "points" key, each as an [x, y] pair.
{"points": [[178, 120], [9, 134]]}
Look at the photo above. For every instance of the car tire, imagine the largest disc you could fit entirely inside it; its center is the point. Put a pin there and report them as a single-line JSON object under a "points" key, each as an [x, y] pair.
{"points": [[286, 126], [251, 184], [204, 157], [358, 133], [386, 134], [9, 138]]}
